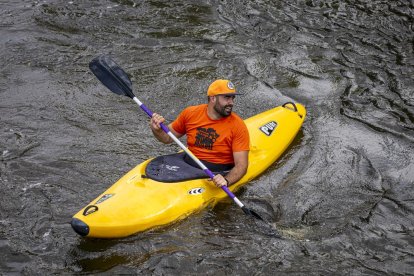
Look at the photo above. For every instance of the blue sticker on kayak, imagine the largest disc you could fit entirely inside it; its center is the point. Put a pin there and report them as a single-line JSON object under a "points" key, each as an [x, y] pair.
{"points": [[268, 128], [196, 191], [104, 197]]}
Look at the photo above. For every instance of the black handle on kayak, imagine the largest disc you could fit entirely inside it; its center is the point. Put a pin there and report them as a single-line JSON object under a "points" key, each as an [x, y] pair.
{"points": [[294, 105], [90, 209]]}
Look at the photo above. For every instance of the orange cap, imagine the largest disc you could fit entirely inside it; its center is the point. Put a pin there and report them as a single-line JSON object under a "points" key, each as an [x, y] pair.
{"points": [[221, 87]]}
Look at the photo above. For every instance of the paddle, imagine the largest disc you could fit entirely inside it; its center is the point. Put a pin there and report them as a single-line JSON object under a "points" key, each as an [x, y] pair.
{"points": [[116, 80]]}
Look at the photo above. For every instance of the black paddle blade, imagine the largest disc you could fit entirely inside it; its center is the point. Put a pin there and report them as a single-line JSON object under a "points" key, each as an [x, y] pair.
{"points": [[111, 75], [261, 225], [251, 213]]}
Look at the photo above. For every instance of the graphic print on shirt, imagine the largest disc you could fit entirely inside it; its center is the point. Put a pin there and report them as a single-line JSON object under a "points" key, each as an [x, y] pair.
{"points": [[205, 138]]}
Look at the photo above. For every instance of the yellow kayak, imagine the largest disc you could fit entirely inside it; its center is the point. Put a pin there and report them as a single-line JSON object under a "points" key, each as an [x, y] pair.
{"points": [[141, 200]]}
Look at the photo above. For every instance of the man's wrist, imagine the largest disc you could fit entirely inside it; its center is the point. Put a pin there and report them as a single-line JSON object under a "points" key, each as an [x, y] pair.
{"points": [[227, 181]]}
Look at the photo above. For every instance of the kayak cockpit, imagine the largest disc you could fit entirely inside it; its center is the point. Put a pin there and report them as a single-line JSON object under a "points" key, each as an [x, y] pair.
{"points": [[173, 168]]}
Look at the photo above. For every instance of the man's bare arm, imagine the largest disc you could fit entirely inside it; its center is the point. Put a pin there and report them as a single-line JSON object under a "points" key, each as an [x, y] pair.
{"points": [[241, 163], [161, 136]]}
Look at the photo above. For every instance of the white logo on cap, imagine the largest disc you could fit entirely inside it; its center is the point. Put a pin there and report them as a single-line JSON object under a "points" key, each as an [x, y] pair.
{"points": [[230, 85]]}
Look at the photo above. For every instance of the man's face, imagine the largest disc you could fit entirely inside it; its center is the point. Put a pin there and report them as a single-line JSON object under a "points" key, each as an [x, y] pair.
{"points": [[224, 104]]}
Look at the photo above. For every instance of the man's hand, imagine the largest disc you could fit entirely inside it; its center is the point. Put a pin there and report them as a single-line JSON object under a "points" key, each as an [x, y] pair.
{"points": [[220, 181], [155, 122]]}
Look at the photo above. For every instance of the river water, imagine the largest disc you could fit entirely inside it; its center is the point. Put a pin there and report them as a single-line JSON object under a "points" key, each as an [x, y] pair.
{"points": [[342, 196]]}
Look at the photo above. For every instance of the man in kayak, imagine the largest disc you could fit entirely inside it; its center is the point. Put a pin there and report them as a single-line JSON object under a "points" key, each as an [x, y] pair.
{"points": [[215, 135]]}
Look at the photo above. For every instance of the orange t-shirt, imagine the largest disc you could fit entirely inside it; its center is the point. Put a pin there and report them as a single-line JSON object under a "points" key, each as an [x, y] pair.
{"points": [[212, 140]]}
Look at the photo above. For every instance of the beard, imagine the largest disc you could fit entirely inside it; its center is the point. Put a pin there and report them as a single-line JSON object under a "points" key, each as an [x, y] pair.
{"points": [[224, 111]]}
